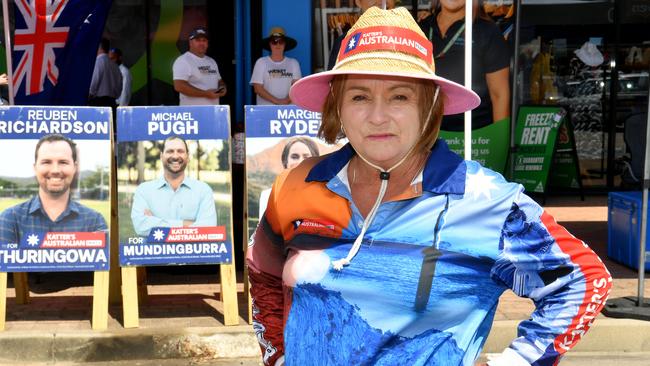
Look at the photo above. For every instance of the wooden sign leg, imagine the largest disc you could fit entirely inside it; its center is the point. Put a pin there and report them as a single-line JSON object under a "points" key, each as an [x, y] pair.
{"points": [[3, 299], [114, 295], [130, 297], [100, 300], [21, 285], [143, 294], [247, 284], [229, 294]]}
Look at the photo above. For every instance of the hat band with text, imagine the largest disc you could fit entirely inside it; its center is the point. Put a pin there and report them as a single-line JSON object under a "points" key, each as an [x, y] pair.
{"points": [[383, 38]]}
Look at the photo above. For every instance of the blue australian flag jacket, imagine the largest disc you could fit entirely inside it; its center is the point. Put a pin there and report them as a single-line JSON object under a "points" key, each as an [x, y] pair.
{"points": [[424, 287]]}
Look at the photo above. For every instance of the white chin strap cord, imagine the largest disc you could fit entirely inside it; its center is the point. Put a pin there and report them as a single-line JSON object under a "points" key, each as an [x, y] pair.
{"points": [[384, 175]]}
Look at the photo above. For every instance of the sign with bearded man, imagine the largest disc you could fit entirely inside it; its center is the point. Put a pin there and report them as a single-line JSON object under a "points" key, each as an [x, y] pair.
{"points": [[174, 185]]}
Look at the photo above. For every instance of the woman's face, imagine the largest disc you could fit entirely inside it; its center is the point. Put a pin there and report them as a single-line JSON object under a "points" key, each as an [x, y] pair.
{"points": [[297, 153], [381, 117]]}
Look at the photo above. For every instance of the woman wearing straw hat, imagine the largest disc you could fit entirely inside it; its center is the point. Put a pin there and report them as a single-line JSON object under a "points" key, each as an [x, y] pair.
{"points": [[393, 250], [273, 75]]}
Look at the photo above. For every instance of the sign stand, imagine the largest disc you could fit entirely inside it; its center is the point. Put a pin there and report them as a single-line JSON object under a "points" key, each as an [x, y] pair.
{"points": [[565, 170], [21, 286], [100, 300], [132, 289], [114, 293], [247, 282], [100, 297], [536, 144], [152, 236], [3, 299], [93, 239], [130, 297]]}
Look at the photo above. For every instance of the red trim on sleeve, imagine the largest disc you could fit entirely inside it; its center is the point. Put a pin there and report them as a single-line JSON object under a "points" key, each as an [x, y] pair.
{"points": [[598, 283]]}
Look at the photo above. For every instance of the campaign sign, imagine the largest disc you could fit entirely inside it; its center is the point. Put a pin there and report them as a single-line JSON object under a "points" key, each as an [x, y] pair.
{"points": [[566, 166], [277, 138], [174, 185], [489, 144], [535, 140], [54, 188]]}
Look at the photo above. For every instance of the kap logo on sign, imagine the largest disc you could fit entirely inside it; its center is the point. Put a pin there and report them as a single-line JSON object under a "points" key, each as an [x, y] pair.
{"points": [[187, 235]]}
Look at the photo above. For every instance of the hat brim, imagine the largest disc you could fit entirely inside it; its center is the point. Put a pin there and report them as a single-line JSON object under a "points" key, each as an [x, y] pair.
{"points": [[311, 91], [289, 43]]}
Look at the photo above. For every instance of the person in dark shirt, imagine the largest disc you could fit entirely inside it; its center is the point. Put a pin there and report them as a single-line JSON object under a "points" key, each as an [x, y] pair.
{"points": [[490, 60], [363, 5]]}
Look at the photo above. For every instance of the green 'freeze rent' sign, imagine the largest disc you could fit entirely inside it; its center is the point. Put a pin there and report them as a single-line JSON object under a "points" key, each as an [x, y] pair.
{"points": [[535, 137]]}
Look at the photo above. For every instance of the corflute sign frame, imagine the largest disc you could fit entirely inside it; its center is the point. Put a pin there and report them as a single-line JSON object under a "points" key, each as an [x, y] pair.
{"points": [[67, 152], [543, 135], [177, 207]]}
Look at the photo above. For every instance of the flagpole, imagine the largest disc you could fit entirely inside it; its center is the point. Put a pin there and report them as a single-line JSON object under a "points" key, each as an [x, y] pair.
{"points": [[8, 51], [469, 5]]}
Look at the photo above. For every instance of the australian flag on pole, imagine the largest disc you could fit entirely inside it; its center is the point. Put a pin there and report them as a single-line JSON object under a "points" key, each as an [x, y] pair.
{"points": [[55, 46]]}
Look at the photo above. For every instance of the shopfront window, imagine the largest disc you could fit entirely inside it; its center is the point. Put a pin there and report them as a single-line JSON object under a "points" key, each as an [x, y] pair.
{"points": [[569, 54]]}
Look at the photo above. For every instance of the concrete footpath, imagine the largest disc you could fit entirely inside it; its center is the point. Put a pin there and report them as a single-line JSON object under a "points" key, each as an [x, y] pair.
{"points": [[181, 323]]}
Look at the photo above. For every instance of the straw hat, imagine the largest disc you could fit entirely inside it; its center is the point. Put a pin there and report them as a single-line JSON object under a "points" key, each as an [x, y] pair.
{"points": [[383, 43], [278, 32]]}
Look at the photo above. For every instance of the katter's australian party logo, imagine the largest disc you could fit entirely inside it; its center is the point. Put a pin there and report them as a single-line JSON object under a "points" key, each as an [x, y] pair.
{"points": [[384, 38], [56, 251], [208, 234], [63, 240], [317, 227]]}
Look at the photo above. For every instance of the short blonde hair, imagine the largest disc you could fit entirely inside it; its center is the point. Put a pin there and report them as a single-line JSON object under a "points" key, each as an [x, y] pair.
{"points": [[331, 131]]}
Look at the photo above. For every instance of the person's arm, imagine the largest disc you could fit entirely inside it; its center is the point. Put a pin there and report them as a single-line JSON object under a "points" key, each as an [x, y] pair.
{"points": [[265, 258], [259, 90], [297, 73], [117, 88], [142, 218], [499, 88], [125, 96], [221, 85], [496, 57], [566, 280], [222, 89], [207, 213]]}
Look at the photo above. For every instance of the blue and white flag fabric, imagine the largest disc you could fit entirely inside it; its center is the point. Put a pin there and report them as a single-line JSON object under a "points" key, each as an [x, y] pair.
{"points": [[55, 46]]}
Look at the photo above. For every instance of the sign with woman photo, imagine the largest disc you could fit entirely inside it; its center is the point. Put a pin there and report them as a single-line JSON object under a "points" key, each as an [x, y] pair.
{"points": [[174, 185], [277, 138], [54, 189]]}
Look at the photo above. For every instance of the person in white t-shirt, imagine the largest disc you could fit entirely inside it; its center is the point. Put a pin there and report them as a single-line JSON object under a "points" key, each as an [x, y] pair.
{"points": [[273, 75], [196, 75]]}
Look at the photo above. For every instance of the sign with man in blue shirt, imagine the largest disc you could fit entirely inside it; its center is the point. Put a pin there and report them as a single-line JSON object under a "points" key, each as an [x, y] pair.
{"points": [[58, 222], [179, 213]]}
